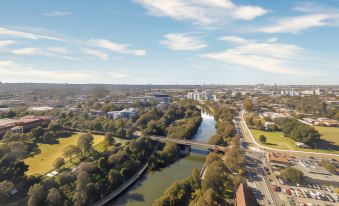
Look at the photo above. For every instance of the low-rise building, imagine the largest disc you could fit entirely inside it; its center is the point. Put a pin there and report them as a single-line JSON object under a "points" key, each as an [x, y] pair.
{"points": [[126, 113], [163, 98], [245, 196], [96, 113], [200, 96], [21, 124], [278, 160]]}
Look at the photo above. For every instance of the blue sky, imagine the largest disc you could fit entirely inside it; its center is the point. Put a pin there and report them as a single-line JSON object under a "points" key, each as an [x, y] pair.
{"points": [[170, 42]]}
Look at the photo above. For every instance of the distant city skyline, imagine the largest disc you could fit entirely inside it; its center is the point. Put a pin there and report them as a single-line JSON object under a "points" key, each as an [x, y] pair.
{"points": [[170, 42]]}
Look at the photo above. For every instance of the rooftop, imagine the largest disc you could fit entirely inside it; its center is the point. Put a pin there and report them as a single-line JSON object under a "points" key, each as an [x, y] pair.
{"points": [[278, 157], [245, 196]]}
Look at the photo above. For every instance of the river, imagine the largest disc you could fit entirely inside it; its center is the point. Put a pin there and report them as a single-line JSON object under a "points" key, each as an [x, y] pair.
{"points": [[153, 184]]}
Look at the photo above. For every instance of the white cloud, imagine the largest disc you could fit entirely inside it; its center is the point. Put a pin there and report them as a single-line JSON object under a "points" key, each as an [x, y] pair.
{"points": [[235, 39], [119, 48], [264, 56], [6, 43], [205, 12], [183, 42], [25, 35], [96, 53], [49, 52], [299, 23], [248, 12], [61, 50], [57, 13], [30, 51], [14, 72]]}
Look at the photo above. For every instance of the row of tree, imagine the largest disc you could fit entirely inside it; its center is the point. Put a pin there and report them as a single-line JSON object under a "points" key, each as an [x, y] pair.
{"points": [[225, 126], [298, 131]]}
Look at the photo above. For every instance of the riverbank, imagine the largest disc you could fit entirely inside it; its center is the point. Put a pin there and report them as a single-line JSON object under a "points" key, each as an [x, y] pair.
{"points": [[153, 184]]}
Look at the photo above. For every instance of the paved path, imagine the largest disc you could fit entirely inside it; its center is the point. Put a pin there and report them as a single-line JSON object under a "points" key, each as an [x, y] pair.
{"points": [[279, 150], [120, 189]]}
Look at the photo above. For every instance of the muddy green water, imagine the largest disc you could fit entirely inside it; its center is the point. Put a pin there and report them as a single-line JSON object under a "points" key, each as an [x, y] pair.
{"points": [[153, 184]]}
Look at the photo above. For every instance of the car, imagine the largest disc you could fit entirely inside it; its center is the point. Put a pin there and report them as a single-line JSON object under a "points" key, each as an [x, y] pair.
{"points": [[313, 195], [309, 185], [288, 191], [330, 198], [328, 189], [335, 197], [293, 193]]}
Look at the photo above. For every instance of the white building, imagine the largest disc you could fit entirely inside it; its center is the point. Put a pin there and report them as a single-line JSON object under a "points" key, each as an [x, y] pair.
{"points": [[126, 113], [289, 93], [200, 96]]}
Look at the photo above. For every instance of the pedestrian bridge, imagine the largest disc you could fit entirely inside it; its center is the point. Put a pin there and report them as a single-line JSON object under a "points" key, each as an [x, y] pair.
{"points": [[189, 143]]}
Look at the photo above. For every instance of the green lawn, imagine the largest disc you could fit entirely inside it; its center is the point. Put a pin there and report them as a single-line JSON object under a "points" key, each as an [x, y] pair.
{"points": [[277, 140], [274, 139], [329, 137], [43, 162], [101, 147]]}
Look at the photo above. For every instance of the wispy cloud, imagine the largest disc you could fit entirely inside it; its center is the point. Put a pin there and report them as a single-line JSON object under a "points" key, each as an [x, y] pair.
{"points": [[30, 51], [299, 23], [268, 56], [183, 42], [115, 47], [5, 43], [96, 53], [57, 13], [205, 12], [16, 72], [236, 39], [60, 52], [26, 35], [313, 15]]}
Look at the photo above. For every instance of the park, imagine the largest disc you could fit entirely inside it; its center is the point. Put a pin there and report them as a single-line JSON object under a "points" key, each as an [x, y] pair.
{"points": [[328, 143], [43, 162]]}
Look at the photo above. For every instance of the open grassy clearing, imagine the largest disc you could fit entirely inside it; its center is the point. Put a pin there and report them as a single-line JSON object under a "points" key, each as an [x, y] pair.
{"points": [[43, 162], [278, 141], [329, 138]]}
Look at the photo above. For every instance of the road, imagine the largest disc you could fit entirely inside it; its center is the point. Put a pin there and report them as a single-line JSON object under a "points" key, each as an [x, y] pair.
{"points": [[257, 177]]}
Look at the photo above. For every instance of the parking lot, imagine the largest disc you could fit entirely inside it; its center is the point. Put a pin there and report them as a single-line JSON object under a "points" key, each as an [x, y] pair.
{"points": [[310, 194]]}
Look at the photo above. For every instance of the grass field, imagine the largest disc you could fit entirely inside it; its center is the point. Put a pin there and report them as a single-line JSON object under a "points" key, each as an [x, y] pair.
{"points": [[329, 139], [43, 162]]}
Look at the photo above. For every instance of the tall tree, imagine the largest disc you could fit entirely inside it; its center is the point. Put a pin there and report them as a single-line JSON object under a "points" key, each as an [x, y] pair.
{"points": [[85, 142], [54, 197], [36, 195]]}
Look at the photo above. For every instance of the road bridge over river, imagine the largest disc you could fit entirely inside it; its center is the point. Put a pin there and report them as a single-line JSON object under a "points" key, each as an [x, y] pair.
{"points": [[189, 143]]}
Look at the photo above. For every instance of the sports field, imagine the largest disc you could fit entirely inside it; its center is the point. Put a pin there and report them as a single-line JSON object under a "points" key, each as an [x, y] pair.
{"points": [[43, 162]]}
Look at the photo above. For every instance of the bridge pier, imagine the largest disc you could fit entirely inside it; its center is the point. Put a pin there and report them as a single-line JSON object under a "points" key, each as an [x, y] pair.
{"points": [[184, 149]]}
